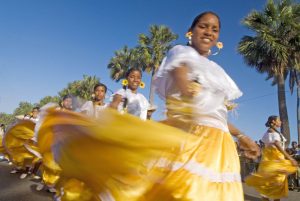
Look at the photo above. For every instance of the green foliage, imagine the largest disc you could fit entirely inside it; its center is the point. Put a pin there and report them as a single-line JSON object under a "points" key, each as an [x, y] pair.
{"points": [[274, 49], [6, 119], [154, 46], [147, 56], [275, 46], [81, 88], [123, 60], [24, 108], [49, 99]]}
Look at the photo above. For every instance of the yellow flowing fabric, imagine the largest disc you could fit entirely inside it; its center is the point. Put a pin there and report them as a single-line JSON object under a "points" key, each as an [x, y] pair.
{"points": [[23, 151], [15, 140], [120, 157], [271, 178], [50, 169]]}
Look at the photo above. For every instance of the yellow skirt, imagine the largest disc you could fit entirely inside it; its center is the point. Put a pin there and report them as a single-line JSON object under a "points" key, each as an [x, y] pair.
{"points": [[124, 158], [271, 178], [15, 141]]}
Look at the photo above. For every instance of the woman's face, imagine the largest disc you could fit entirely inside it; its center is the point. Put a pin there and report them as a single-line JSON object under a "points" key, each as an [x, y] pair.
{"points": [[205, 33], [67, 103], [35, 113], [100, 93], [134, 79], [277, 122]]}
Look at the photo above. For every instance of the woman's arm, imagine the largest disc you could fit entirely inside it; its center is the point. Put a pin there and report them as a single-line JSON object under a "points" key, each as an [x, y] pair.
{"points": [[286, 155], [116, 101], [187, 87], [250, 148]]}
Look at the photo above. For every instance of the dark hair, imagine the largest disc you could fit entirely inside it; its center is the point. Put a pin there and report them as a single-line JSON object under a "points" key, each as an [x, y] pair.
{"points": [[133, 69], [294, 142], [100, 85], [36, 108], [270, 120], [67, 96], [202, 15]]}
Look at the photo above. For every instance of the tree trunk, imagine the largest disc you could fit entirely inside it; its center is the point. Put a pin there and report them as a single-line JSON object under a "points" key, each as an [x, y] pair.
{"points": [[285, 128], [298, 112], [151, 94]]}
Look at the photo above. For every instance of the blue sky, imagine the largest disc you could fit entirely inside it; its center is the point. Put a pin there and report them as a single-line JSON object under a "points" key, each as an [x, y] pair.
{"points": [[46, 44]]}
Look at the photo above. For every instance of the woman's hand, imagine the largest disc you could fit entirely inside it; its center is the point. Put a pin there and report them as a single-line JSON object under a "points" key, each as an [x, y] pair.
{"points": [[249, 147], [294, 162]]}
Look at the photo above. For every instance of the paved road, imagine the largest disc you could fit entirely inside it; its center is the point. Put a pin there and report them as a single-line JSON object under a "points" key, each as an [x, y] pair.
{"points": [[14, 189]]}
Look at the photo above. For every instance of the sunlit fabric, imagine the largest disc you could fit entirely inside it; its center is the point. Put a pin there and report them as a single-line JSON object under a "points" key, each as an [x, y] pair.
{"points": [[271, 177], [119, 157], [15, 141]]}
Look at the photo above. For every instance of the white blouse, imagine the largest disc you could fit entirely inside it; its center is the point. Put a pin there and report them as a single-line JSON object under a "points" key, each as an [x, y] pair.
{"points": [[208, 106], [34, 120], [137, 104], [92, 110], [269, 139]]}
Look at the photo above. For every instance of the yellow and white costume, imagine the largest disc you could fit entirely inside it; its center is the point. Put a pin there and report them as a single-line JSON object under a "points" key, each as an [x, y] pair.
{"points": [[207, 169], [271, 178], [118, 157], [16, 140], [137, 104]]}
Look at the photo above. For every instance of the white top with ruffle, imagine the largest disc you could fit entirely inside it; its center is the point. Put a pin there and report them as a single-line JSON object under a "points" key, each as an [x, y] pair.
{"points": [[216, 86], [269, 139], [92, 110], [137, 104]]}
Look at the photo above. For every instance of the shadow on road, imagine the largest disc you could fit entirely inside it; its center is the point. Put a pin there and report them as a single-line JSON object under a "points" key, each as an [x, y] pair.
{"points": [[251, 198]]}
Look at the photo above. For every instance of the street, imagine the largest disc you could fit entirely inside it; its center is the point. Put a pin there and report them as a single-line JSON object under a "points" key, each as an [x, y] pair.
{"points": [[14, 189]]}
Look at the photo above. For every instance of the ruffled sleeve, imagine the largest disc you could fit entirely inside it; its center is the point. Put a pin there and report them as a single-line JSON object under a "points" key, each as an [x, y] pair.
{"points": [[121, 92], [87, 107], [206, 72], [276, 137], [271, 138]]}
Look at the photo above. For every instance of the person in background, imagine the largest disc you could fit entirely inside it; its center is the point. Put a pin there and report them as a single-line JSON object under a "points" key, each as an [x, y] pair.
{"points": [[2, 150], [92, 107], [33, 116], [128, 99], [67, 103], [271, 178]]}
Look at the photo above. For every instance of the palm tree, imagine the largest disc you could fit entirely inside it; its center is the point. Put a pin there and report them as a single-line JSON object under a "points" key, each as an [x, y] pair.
{"points": [[81, 88], [48, 99], [295, 80], [270, 49], [123, 60], [153, 48]]}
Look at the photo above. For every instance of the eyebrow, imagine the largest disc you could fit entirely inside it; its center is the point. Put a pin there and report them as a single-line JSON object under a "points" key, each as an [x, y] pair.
{"points": [[205, 23]]}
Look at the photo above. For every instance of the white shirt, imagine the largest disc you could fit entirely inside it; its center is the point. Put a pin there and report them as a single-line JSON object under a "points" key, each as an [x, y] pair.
{"points": [[1, 132], [269, 139], [208, 106], [92, 110], [34, 120], [137, 104]]}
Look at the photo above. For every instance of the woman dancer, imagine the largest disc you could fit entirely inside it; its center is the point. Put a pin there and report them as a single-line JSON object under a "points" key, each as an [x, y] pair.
{"points": [[271, 178]]}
